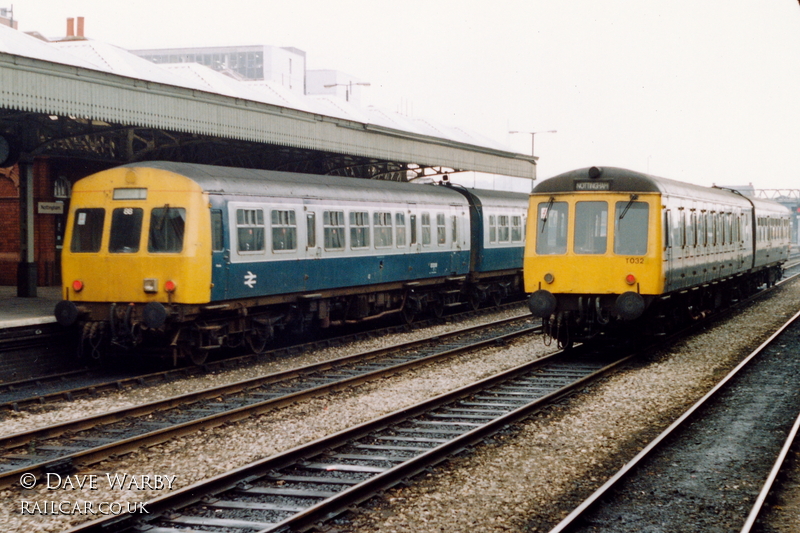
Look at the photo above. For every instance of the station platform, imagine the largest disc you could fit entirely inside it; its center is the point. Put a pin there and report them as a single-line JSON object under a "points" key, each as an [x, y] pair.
{"points": [[18, 312]]}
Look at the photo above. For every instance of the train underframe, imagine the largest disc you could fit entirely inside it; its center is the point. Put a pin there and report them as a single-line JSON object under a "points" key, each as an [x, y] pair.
{"points": [[193, 332], [586, 317]]}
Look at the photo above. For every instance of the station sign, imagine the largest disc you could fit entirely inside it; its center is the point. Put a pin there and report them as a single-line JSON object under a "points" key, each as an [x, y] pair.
{"points": [[50, 208]]}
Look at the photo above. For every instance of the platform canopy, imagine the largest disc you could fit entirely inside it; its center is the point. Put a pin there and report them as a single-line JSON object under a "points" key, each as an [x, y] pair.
{"points": [[91, 100]]}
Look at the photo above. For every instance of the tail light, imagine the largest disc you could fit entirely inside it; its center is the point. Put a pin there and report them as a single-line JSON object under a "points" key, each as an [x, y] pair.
{"points": [[170, 286], [77, 285], [630, 279]]}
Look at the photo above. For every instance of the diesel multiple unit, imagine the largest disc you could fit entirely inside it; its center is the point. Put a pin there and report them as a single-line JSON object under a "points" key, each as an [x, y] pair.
{"points": [[610, 246], [197, 257]]}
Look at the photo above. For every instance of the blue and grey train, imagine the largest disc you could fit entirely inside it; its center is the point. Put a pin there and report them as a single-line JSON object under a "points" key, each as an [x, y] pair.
{"points": [[195, 257]]}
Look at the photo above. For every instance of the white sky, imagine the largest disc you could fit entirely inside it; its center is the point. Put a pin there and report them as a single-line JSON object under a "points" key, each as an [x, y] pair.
{"points": [[705, 91]]}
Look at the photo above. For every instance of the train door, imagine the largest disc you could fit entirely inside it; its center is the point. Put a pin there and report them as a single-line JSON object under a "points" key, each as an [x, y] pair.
{"points": [[668, 259], [220, 257]]}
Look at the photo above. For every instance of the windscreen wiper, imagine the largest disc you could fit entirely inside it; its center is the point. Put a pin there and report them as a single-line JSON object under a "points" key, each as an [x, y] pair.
{"points": [[634, 197], [547, 213]]}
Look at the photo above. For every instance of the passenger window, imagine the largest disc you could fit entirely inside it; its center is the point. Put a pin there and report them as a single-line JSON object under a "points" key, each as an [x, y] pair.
{"points": [[516, 229], [166, 229], [400, 228], [87, 231], [250, 230], [359, 229], [126, 230], [631, 228], [217, 236], [284, 230], [383, 229], [333, 224], [413, 221], [503, 229], [492, 228], [441, 229], [311, 229], [426, 229], [551, 233], [591, 228]]}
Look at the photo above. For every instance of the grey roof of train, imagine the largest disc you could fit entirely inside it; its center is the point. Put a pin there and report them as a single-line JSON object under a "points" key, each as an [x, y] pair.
{"points": [[252, 182], [623, 180]]}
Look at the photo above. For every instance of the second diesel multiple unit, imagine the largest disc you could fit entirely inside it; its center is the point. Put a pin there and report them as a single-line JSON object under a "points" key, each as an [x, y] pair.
{"points": [[197, 257], [609, 246]]}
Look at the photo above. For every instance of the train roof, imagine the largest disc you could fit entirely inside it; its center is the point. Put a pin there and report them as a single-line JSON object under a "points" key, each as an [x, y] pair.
{"points": [[622, 180], [253, 182], [493, 198]]}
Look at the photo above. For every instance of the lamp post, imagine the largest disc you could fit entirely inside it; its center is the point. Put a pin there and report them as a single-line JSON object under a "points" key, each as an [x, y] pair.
{"points": [[349, 86], [533, 136]]}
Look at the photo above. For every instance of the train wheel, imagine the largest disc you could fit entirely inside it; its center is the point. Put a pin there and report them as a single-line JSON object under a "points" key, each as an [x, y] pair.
{"points": [[408, 315], [184, 351], [474, 302], [257, 342], [497, 299]]}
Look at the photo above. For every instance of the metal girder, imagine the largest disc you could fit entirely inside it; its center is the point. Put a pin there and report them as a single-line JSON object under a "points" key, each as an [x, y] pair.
{"points": [[59, 136]]}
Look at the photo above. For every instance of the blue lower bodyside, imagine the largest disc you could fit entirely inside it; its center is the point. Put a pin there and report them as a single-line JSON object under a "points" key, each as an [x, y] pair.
{"points": [[267, 278]]}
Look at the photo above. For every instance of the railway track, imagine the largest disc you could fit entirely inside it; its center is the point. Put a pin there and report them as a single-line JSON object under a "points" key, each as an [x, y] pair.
{"points": [[706, 469], [92, 382], [298, 488], [69, 445]]}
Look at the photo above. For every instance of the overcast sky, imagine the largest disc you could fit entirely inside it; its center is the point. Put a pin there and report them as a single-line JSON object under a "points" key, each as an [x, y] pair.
{"points": [[705, 91]]}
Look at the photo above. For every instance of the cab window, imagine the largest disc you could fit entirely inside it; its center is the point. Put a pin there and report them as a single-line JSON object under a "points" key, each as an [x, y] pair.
{"points": [[591, 228], [87, 231], [166, 229], [630, 228], [551, 232], [126, 230]]}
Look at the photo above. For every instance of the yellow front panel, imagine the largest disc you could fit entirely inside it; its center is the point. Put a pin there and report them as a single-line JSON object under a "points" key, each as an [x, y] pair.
{"points": [[119, 277], [606, 273]]}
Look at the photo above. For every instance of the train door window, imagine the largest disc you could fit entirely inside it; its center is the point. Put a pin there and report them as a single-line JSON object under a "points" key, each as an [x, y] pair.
{"points": [[631, 228], [333, 225], [217, 238], [667, 229], [503, 229], [516, 229], [703, 230], [311, 230], [400, 229], [166, 229], [412, 220], [551, 233], [126, 230], [359, 229], [681, 240], [87, 231], [691, 230], [591, 228], [382, 223], [425, 223], [454, 230], [284, 230], [712, 229], [492, 228], [441, 229], [250, 230]]}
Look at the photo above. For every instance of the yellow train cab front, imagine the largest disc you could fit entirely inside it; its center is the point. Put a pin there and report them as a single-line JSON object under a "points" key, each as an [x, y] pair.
{"points": [[136, 235]]}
